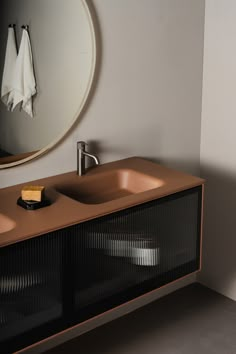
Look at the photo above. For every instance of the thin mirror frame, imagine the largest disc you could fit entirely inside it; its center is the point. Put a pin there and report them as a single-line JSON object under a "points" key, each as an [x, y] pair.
{"points": [[82, 103]]}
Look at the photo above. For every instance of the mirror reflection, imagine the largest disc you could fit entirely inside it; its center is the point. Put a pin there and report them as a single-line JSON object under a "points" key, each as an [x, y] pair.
{"points": [[63, 49]]}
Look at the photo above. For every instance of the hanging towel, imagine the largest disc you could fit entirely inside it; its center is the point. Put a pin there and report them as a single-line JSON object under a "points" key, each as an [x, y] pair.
{"points": [[24, 85], [9, 66]]}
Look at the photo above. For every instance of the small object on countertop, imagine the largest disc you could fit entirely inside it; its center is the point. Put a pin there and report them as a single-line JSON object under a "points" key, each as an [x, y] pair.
{"points": [[32, 204], [32, 193]]}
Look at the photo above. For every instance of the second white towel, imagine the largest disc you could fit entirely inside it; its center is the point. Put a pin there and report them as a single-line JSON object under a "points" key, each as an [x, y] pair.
{"points": [[24, 84]]}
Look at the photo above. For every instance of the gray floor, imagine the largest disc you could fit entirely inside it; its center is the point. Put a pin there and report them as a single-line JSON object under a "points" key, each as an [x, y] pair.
{"points": [[193, 320]]}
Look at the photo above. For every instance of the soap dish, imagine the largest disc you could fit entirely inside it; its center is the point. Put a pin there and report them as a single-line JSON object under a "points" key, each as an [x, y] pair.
{"points": [[33, 205]]}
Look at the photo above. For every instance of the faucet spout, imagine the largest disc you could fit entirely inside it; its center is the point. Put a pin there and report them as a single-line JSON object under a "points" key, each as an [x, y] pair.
{"points": [[81, 153], [95, 158]]}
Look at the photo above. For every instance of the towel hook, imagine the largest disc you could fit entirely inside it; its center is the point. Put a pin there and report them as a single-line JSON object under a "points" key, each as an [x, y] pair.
{"points": [[26, 27], [11, 25]]}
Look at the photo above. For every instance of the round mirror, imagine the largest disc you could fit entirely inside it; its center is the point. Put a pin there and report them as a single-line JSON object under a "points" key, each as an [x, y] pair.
{"points": [[64, 54]]}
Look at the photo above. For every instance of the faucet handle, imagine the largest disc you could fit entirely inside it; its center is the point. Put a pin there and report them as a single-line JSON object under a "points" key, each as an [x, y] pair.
{"points": [[81, 145]]}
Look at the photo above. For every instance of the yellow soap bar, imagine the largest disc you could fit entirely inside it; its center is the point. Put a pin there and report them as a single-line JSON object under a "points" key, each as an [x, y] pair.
{"points": [[32, 193]]}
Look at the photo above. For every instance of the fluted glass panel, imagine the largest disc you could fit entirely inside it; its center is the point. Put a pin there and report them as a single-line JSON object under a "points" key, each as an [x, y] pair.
{"points": [[123, 255], [30, 285]]}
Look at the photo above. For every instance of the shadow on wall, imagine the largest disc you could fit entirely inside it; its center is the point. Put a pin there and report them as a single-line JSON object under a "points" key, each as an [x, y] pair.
{"points": [[113, 152], [219, 240], [190, 166]]}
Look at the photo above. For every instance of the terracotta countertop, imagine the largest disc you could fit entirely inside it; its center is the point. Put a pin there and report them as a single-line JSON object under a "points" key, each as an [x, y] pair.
{"points": [[65, 211]]}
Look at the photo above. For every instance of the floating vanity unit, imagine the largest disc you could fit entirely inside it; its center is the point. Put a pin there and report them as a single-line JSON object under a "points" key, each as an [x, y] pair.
{"points": [[120, 231]]}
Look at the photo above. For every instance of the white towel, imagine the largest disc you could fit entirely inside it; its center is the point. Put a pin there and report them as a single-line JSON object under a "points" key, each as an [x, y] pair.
{"points": [[24, 85], [9, 66]]}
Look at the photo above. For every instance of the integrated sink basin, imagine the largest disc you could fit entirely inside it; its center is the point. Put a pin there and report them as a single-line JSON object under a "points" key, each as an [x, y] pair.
{"points": [[6, 224], [108, 186]]}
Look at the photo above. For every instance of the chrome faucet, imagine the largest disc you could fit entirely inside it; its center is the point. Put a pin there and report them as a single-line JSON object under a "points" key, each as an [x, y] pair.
{"points": [[81, 153]]}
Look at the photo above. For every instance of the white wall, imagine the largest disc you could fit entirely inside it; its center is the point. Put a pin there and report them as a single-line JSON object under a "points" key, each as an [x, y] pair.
{"points": [[147, 99], [218, 147]]}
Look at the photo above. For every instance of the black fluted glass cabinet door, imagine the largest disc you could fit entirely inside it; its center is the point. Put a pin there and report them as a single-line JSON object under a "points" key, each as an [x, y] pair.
{"points": [[121, 256], [30, 290]]}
